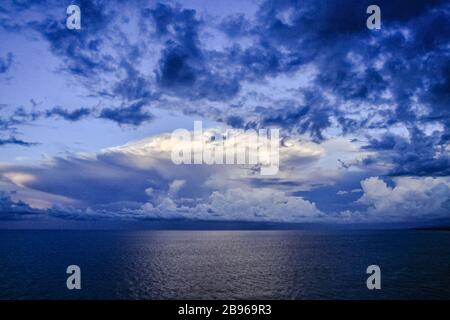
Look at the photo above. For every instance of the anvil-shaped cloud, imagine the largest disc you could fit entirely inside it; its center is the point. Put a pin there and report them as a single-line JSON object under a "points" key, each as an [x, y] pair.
{"points": [[139, 181]]}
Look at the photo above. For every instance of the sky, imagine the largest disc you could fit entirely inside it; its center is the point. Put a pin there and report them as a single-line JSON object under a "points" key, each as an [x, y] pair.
{"points": [[86, 115]]}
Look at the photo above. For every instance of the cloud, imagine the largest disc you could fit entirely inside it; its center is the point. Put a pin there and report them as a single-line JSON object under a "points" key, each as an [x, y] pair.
{"points": [[73, 115], [82, 51], [263, 204], [175, 186], [5, 63], [185, 68], [15, 141], [92, 187], [134, 85], [236, 25], [242, 204], [132, 114], [357, 65], [349, 102], [96, 183], [363, 80], [418, 154], [313, 116], [15, 210], [409, 198]]}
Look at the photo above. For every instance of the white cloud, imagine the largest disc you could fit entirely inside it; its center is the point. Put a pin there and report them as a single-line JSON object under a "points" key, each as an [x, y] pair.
{"points": [[410, 197], [262, 204], [221, 192], [241, 204], [175, 186]]}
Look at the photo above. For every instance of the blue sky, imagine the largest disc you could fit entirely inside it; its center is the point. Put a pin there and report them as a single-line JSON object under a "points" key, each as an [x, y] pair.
{"points": [[86, 115]]}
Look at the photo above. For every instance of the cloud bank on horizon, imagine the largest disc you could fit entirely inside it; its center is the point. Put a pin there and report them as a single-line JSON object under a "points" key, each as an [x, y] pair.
{"points": [[86, 115]]}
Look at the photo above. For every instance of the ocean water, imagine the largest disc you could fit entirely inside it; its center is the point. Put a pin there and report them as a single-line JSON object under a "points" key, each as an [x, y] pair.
{"points": [[224, 264]]}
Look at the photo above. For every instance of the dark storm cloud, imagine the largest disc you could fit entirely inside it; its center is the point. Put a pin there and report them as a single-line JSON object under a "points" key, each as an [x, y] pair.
{"points": [[80, 49], [186, 69], [93, 181], [235, 121], [15, 210], [312, 117], [359, 67], [132, 115], [421, 155], [86, 53], [325, 33]]}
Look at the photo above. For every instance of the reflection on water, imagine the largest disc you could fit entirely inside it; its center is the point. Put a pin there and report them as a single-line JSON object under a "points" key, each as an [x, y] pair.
{"points": [[224, 264]]}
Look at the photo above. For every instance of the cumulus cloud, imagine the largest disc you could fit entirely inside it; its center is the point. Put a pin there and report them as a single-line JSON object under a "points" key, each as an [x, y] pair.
{"points": [[161, 189], [408, 198], [242, 204], [92, 187], [175, 186], [15, 210], [263, 204]]}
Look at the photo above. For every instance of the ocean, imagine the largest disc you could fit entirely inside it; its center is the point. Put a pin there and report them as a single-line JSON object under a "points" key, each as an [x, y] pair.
{"points": [[224, 264]]}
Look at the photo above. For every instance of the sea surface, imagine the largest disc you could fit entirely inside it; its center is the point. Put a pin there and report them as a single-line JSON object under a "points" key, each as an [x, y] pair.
{"points": [[224, 264]]}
